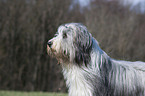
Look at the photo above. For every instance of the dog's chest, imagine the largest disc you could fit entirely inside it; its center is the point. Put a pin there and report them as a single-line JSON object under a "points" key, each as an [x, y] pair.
{"points": [[76, 82]]}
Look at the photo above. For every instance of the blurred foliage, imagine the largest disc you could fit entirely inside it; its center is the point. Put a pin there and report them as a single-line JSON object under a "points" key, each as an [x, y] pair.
{"points": [[27, 25], [25, 28], [119, 31]]}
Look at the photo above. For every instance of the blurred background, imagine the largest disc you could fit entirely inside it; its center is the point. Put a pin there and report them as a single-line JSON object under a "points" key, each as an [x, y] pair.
{"points": [[27, 25]]}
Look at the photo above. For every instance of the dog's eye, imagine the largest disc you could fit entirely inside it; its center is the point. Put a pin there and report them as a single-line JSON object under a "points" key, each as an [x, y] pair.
{"points": [[64, 35]]}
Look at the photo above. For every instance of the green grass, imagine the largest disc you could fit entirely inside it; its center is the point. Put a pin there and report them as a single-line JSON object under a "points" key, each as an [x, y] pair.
{"points": [[18, 93]]}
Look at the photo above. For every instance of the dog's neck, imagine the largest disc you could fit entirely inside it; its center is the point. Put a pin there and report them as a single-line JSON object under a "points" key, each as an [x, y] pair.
{"points": [[76, 81]]}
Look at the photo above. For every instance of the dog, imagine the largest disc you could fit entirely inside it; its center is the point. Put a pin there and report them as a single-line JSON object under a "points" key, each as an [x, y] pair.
{"points": [[88, 70]]}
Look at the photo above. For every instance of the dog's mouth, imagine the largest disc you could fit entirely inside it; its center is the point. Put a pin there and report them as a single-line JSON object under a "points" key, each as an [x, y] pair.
{"points": [[50, 51]]}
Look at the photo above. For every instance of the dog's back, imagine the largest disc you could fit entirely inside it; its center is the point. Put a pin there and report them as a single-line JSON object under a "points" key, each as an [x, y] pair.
{"points": [[127, 78]]}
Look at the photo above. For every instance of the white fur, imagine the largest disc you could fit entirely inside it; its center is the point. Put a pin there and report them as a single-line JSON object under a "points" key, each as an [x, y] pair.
{"points": [[76, 82]]}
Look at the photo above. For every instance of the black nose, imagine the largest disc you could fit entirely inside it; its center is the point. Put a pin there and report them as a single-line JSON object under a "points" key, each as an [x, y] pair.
{"points": [[49, 44]]}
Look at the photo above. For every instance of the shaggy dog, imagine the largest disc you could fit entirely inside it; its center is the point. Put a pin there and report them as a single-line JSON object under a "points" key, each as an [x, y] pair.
{"points": [[88, 70]]}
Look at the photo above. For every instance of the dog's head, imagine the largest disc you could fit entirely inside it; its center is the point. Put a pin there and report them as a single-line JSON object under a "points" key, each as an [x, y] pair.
{"points": [[72, 44]]}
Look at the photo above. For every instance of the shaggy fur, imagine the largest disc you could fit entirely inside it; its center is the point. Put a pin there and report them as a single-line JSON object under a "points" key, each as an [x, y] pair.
{"points": [[88, 70]]}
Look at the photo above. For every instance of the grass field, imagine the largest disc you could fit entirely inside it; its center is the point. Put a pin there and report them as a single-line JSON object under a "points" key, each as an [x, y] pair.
{"points": [[17, 93]]}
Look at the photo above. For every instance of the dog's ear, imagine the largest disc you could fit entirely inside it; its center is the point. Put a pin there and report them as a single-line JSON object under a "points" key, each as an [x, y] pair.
{"points": [[83, 45]]}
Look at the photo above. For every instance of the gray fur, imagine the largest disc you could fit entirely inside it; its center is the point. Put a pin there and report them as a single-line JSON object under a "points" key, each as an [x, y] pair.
{"points": [[89, 71]]}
